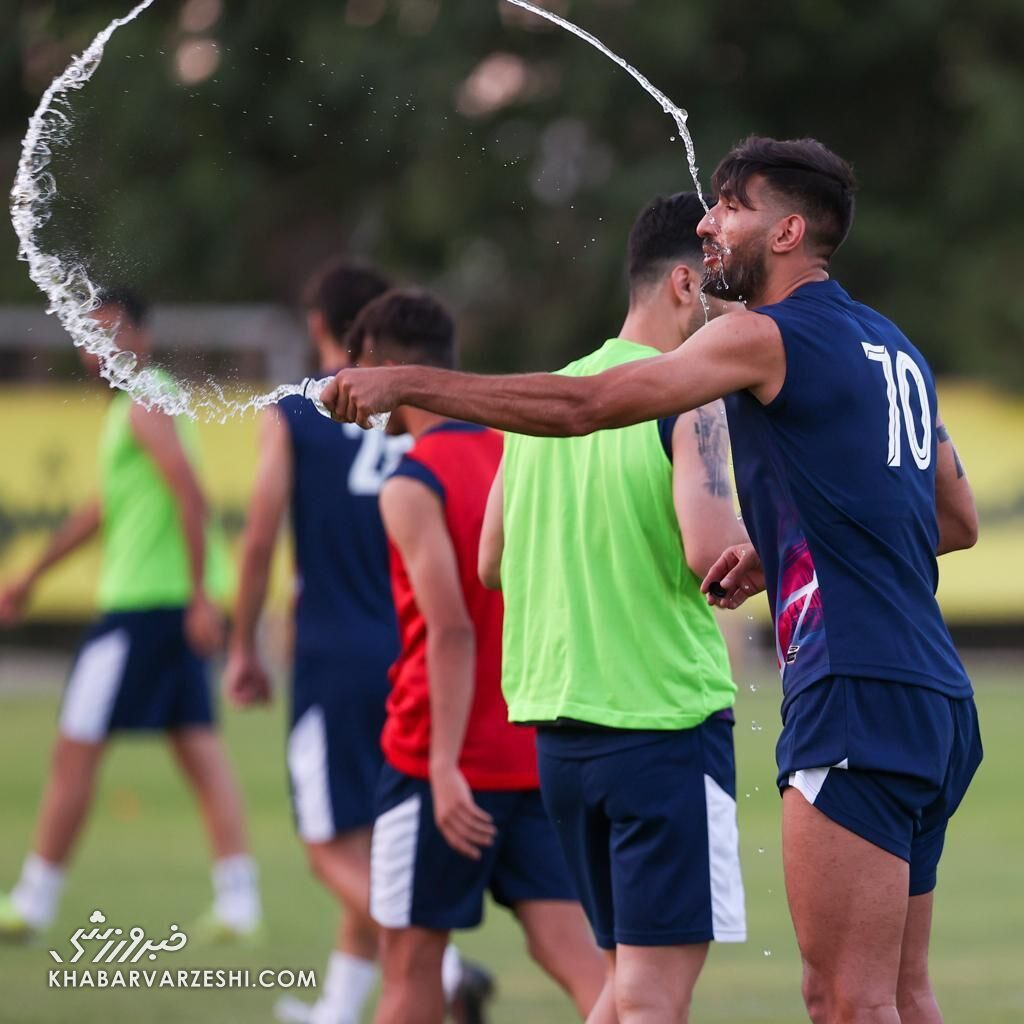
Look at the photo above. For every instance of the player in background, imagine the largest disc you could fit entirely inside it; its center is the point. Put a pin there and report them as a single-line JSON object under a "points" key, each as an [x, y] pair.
{"points": [[458, 812], [850, 488], [615, 654], [142, 666], [328, 477]]}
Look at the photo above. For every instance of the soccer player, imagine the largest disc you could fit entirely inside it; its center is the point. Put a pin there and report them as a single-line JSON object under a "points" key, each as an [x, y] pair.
{"points": [[329, 476], [142, 666], [614, 652], [459, 810], [850, 488]]}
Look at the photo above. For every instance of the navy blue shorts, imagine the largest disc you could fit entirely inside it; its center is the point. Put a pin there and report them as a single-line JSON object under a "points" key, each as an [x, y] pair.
{"points": [[334, 755], [135, 671], [418, 880], [647, 821], [888, 761]]}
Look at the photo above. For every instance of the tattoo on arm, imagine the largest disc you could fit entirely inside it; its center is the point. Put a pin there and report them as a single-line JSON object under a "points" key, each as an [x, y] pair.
{"points": [[712, 446], [943, 435]]}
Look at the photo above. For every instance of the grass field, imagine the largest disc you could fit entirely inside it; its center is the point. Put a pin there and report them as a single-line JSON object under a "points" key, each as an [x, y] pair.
{"points": [[143, 862]]}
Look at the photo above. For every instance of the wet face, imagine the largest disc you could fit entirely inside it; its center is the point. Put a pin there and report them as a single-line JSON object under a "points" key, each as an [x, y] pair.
{"points": [[736, 246]]}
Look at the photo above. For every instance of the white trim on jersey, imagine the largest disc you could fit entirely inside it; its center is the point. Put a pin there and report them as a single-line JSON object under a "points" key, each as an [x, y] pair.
{"points": [[93, 686], [728, 912], [307, 766], [393, 863]]}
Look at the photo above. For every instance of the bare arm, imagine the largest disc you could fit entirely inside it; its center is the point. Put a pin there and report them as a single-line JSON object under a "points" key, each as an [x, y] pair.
{"points": [[245, 680], [414, 520], [736, 352], [492, 535], [155, 432], [79, 527], [702, 488], [954, 500]]}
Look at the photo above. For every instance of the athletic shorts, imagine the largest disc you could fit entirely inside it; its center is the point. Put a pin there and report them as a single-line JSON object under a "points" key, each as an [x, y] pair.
{"points": [[334, 755], [647, 821], [418, 880], [135, 671], [889, 762]]}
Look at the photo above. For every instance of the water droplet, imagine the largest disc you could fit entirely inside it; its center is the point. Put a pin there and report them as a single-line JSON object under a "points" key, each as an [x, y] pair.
{"points": [[753, 687], [756, 726], [760, 849], [766, 952]]}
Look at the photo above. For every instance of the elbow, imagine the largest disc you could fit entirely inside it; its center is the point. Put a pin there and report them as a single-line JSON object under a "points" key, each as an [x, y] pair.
{"points": [[968, 535], [700, 561], [490, 575]]}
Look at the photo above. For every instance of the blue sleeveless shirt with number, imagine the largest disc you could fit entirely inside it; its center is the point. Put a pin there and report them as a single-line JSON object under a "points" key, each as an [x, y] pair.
{"points": [[836, 479], [343, 604]]}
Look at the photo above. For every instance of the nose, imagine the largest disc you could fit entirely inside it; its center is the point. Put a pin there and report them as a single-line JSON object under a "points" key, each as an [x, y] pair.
{"points": [[706, 227]]}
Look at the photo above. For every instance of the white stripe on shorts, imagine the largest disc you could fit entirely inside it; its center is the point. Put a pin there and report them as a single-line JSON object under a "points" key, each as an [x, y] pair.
{"points": [[728, 913], [809, 781], [92, 688], [393, 863], [307, 766]]}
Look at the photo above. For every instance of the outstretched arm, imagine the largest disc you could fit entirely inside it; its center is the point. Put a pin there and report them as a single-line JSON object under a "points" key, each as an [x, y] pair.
{"points": [[414, 520], [79, 527], [736, 352]]}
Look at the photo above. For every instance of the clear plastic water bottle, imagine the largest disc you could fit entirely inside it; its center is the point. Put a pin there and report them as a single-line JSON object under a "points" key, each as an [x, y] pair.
{"points": [[313, 387]]}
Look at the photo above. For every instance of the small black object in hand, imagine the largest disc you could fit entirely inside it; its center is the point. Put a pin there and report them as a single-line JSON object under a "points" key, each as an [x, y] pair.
{"points": [[717, 590]]}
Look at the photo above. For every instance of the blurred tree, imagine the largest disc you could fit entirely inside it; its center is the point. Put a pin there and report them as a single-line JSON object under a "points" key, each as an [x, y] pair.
{"points": [[223, 150]]}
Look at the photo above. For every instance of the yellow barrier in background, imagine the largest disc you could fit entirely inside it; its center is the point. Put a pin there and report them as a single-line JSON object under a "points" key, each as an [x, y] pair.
{"points": [[49, 458]]}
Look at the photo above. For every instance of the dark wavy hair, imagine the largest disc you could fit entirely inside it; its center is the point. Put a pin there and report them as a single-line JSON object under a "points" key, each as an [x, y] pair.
{"points": [[803, 171]]}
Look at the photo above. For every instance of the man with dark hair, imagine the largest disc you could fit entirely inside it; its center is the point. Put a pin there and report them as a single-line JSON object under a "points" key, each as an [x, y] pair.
{"points": [[850, 487], [615, 655], [334, 298], [142, 667], [458, 811]]}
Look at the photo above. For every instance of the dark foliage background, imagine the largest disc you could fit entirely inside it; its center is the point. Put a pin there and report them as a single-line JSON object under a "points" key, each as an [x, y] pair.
{"points": [[464, 146]]}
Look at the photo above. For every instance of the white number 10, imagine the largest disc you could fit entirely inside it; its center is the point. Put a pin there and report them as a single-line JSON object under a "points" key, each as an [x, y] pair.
{"points": [[906, 369]]}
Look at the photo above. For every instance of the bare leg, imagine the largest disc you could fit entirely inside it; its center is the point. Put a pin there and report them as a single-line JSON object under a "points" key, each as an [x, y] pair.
{"points": [[559, 940], [604, 1009], [848, 899], [654, 984], [200, 755], [343, 866], [67, 798], [411, 969], [914, 996]]}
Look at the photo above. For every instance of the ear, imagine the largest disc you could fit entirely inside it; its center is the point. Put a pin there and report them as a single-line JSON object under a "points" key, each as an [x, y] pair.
{"points": [[789, 233], [685, 284]]}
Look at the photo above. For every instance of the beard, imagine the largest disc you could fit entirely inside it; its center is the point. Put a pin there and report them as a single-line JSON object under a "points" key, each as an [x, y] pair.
{"points": [[742, 280]]}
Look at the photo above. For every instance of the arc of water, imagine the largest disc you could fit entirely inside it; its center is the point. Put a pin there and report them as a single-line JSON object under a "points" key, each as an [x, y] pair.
{"points": [[677, 113]]}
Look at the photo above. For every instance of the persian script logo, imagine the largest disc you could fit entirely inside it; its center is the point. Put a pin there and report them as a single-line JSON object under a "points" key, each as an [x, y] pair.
{"points": [[130, 949]]}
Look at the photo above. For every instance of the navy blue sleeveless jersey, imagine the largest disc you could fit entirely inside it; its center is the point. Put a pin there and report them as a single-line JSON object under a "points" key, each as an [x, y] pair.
{"points": [[344, 602], [836, 479]]}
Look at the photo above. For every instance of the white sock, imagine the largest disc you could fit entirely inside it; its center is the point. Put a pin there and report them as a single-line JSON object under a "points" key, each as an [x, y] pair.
{"points": [[236, 898], [348, 982], [451, 972], [38, 891]]}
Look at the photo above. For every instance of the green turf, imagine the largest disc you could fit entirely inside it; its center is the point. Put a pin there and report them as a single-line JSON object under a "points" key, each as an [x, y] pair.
{"points": [[143, 861]]}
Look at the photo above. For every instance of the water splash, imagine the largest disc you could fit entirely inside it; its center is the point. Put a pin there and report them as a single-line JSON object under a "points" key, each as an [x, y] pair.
{"points": [[72, 296], [677, 113]]}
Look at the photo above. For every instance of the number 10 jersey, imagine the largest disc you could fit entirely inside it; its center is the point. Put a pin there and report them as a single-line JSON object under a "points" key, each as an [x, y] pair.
{"points": [[836, 480]]}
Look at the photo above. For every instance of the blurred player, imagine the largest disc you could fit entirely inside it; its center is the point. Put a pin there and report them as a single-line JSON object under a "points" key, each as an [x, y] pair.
{"points": [[329, 477], [615, 654], [458, 811], [142, 666], [850, 487]]}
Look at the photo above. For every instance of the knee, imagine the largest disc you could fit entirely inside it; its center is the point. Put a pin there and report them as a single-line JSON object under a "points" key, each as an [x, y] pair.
{"points": [[637, 1001], [816, 995]]}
